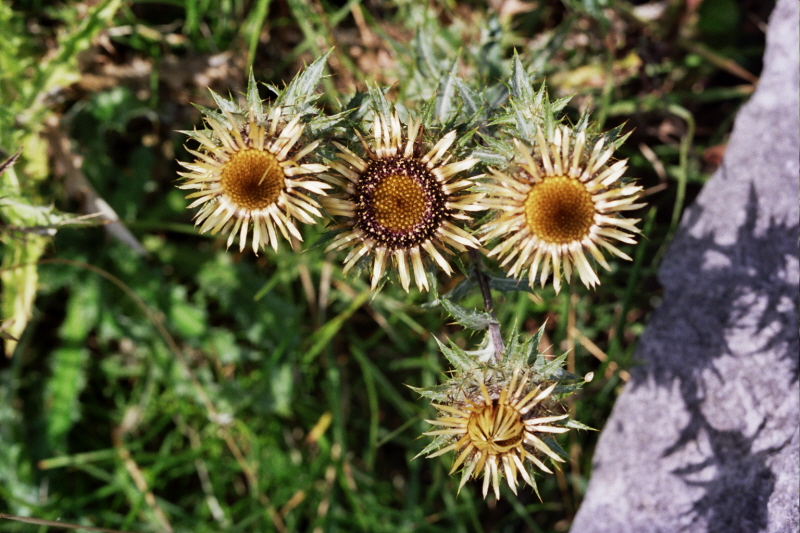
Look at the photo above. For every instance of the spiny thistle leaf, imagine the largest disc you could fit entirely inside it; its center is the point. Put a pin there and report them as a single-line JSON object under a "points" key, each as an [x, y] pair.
{"points": [[555, 446], [502, 150], [224, 104], [532, 346], [425, 56], [437, 443], [520, 82], [469, 318], [436, 393], [457, 357], [445, 94], [253, 98], [551, 368], [489, 158], [507, 284], [380, 104], [302, 89], [472, 99], [574, 424]]}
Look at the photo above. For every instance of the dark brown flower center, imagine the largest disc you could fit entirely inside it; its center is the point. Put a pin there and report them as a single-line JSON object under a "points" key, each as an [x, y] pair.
{"points": [[252, 179], [559, 210], [496, 429], [399, 203]]}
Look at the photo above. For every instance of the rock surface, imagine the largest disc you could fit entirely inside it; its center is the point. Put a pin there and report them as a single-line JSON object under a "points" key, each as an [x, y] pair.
{"points": [[705, 436]]}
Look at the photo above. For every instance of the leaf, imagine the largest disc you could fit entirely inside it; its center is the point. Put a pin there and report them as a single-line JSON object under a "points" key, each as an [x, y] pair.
{"points": [[574, 424], [254, 101], [550, 368], [445, 93], [532, 345], [472, 99], [437, 443], [187, 317], [224, 104], [516, 355], [526, 120], [457, 357], [502, 148], [555, 446], [211, 113], [423, 50], [324, 123], [436, 393], [380, 104], [303, 87], [489, 158], [468, 318], [507, 284], [521, 88]]}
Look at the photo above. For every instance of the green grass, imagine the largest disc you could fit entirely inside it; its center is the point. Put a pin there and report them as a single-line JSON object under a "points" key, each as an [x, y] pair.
{"points": [[200, 389]]}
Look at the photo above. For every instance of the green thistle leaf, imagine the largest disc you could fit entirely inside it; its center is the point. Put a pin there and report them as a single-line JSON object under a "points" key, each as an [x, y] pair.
{"points": [[437, 393], [520, 83], [437, 443], [225, 104], [550, 368], [461, 361], [444, 106], [472, 99], [303, 88], [533, 344], [380, 104], [468, 318], [489, 158], [574, 424], [506, 284], [254, 101]]}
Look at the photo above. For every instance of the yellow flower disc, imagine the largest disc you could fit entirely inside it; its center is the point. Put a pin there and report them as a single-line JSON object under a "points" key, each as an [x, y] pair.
{"points": [[496, 429], [252, 179], [559, 210], [399, 203]]}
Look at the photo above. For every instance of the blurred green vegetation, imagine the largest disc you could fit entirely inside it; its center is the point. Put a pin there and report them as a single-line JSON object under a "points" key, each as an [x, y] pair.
{"points": [[162, 383]]}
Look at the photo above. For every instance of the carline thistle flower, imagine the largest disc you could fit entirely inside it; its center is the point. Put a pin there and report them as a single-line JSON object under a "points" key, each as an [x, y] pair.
{"points": [[495, 427], [248, 176], [399, 201], [564, 201]]}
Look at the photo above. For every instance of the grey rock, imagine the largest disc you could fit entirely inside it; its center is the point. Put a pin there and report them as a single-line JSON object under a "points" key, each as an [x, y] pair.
{"points": [[705, 437]]}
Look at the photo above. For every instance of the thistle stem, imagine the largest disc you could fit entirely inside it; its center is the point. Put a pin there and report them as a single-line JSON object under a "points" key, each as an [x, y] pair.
{"points": [[486, 292]]}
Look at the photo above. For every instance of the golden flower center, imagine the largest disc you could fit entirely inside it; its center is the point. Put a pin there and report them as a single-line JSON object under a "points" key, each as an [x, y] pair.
{"points": [[559, 210], [399, 202], [252, 179], [496, 429]]}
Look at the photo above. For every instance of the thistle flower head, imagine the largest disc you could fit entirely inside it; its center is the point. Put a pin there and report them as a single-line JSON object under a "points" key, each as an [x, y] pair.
{"points": [[497, 417], [496, 429], [563, 202], [400, 200], [247, 175]]}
